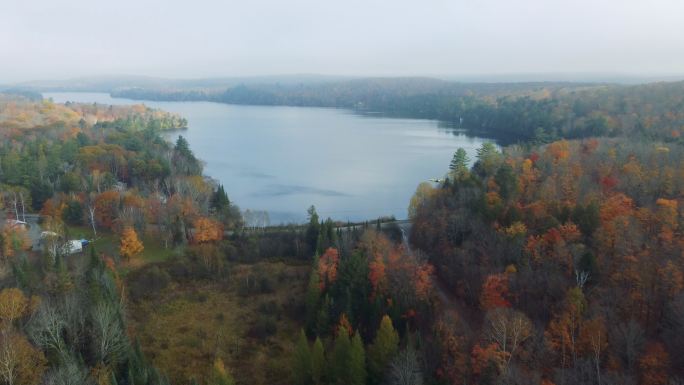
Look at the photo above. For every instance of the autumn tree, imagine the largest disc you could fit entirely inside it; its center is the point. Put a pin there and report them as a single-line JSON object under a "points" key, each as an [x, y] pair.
{"points": [[452, 350], [130, 245], [106, 207], [327, 267], [509, 329], [20, 362], [487, 362], [14, 239], [207, 230], [423, 192], [562, 333], [654, 364], [13, 305], [594, 341], [494, 292]]}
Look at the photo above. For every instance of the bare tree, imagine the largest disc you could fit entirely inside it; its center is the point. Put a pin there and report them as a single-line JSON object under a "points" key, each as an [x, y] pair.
{"points": [[46, 327], [509, 329], [68, 372], [91, 218], [109, 339], [9, 359], [629, 339], [405, 369]]}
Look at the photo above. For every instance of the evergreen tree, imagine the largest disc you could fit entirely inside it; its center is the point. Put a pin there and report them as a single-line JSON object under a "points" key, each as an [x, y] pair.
{"points": [[317, 362], [220, 200], [488, 159], [459, 161], [323, 316], [301, 361], [313, 229], [313, 296], [340, 360], [357, 362], [383, 349], [459, 164], [327, 236]]}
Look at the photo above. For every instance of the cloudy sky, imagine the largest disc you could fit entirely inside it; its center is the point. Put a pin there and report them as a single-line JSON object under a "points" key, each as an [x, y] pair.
{"points": [[48, 39]]}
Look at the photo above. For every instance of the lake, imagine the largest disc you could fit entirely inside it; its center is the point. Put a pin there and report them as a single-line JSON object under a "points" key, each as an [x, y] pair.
{"points": [[285, 159]]}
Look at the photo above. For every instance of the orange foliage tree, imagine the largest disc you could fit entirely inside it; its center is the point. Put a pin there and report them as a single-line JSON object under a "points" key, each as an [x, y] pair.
{"points": [[327, 267], [130, 245], [20, 362], [106, 207], [14, 239], [207, 230], [13, 304], [654, 364], [494, 292]]}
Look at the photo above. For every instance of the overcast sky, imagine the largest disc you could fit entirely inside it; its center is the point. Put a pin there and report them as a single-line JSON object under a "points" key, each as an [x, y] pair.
{"points": [[48, 39]]}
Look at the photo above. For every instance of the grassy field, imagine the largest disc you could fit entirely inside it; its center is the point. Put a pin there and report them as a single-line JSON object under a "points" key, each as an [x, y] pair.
{"points": [[249, 321], [107, 242]]}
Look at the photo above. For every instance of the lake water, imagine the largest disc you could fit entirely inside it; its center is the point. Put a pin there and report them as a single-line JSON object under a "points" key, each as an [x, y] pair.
{"points": [[285, 159]]}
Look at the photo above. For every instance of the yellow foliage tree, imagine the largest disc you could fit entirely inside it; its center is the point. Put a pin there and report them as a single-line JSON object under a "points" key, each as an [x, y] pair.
{"points": [[14, 238], [20, 362], [13, 304], [207, 230], [130, 244]]}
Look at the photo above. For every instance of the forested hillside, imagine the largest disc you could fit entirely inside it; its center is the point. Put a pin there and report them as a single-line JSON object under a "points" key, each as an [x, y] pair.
{"points": [[513, 112], [545, 263], [567, 259], [103, 174]]}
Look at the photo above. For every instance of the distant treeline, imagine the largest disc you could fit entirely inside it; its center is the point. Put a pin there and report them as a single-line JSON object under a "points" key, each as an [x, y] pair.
{"points": [[539, 112]]}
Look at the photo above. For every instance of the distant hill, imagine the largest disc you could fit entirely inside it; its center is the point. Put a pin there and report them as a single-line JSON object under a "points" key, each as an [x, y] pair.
{"points": [[511, 111], [114, 82]]}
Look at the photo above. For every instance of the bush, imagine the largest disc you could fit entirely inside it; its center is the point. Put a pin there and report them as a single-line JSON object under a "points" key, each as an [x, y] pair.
{"points": [[148, 282], [269, 308], [263, 328]]}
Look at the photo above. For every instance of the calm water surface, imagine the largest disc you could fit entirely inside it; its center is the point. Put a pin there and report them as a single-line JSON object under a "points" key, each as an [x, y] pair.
{"points": [[284, 159]]}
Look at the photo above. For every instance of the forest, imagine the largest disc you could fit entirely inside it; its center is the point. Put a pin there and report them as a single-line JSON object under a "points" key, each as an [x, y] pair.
{"points": [[510, 112], [557, 260]]}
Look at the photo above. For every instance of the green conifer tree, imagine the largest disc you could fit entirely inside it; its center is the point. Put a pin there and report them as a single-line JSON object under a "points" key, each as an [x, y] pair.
{"points": [[357, 362], [317, 362], [301, 361], [383, 349]]}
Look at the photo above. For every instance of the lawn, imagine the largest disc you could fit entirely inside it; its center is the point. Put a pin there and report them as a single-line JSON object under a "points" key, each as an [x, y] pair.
{"points": [[107, 243]]}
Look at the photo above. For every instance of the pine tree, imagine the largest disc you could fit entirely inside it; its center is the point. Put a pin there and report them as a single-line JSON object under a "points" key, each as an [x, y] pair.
{"points": [[313, 229], [317, 362], [340, 359], [323, 316], [357, 362], [301, 361], [220, 200], [383, 349], [459, 162], [313, 297]]}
